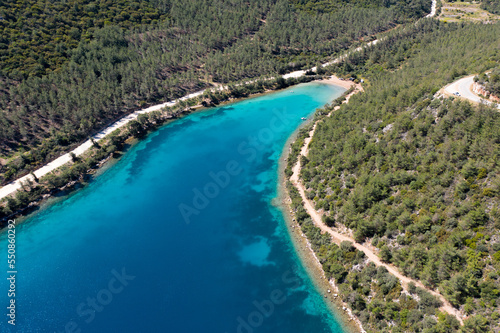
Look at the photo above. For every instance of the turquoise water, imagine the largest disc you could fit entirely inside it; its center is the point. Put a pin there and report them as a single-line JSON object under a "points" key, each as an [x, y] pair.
{"points": [[178, 236]]}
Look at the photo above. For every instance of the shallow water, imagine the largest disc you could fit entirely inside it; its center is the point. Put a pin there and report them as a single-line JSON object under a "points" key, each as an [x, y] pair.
{"points": [[178, 236]]}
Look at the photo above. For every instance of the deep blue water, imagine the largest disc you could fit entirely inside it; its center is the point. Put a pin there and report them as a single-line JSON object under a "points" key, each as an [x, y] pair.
{"points": [[178, 236]]}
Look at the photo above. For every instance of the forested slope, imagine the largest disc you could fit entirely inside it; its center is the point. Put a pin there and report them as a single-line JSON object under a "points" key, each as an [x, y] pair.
{"points": [[410, 8], [493, 6], [490, 81], [415, 175], [161, 51], [36, 37]]}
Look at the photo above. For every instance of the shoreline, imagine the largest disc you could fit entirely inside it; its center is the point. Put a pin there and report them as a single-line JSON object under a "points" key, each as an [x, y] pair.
{"points": [[336, 81], [339, 237], [9, 190], [12, 187], [73, 185], [327, 288], [300, 243]]}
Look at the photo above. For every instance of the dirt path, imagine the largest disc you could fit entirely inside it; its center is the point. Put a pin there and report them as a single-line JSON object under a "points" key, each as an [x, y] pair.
{"points": [[66, 158], [338, 237]]}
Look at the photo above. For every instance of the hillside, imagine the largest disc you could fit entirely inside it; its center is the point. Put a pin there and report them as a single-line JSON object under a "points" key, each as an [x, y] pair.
{"points": [[37, 37], [410, 174], [76, 77], [458, 11], [492, 6], [416, 177], [490, 81]]}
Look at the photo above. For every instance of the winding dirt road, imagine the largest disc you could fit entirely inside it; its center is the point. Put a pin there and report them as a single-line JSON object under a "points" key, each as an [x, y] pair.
{"points": [[337, 237]]}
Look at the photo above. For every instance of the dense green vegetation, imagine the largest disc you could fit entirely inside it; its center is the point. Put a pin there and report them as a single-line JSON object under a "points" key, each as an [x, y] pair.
{"points": [[130, 64], [415, 174], [490, 81], [82, 167], [36, 36], [410, 8], [493, 6], [374, 295]]}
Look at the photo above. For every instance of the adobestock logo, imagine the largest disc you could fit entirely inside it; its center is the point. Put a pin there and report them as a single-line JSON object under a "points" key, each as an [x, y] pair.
{"points": [[210, 190], [87, 310]]}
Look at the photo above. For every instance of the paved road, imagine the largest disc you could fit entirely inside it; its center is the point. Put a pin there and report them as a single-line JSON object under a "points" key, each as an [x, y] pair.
{"points": [[463, 86]]}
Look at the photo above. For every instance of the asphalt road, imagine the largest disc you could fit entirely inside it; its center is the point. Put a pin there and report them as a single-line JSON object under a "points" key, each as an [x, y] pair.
{"points": [[463, 86]]}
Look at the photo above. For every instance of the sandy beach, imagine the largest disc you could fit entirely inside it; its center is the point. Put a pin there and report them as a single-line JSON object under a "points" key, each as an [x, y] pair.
{"points": [[339, 82]]}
